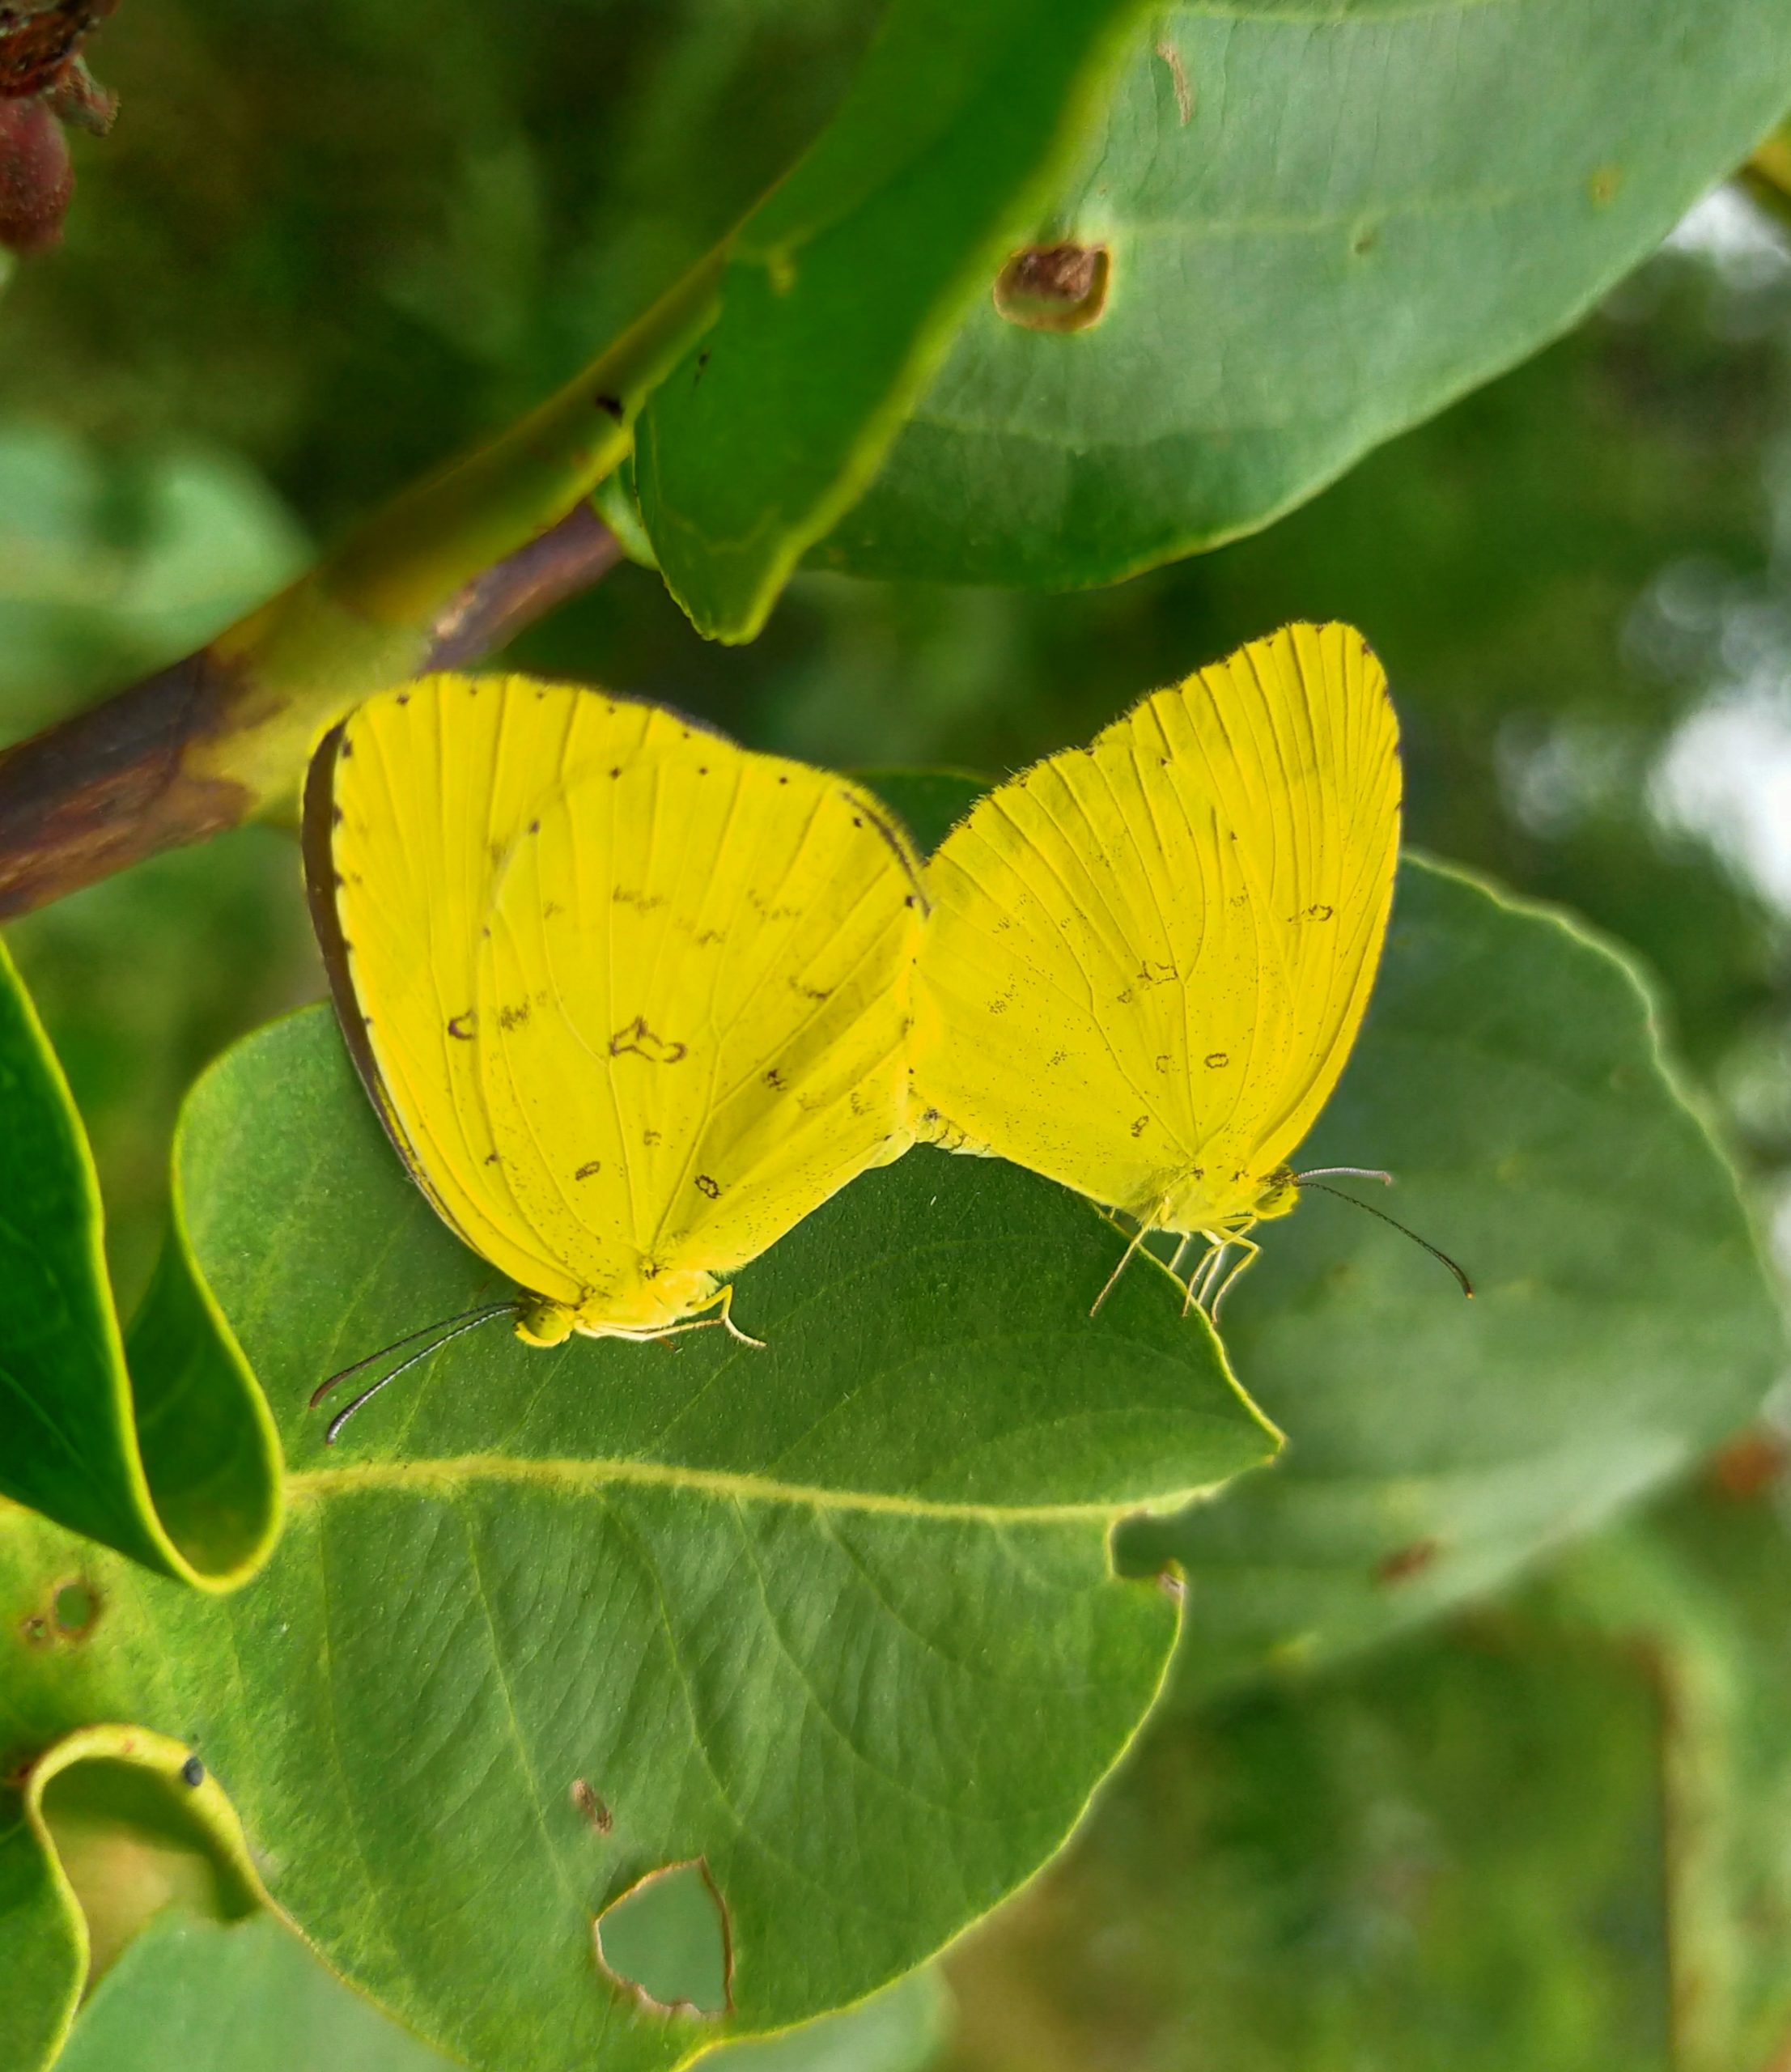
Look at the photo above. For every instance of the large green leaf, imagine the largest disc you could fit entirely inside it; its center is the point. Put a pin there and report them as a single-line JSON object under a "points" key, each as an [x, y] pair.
{"points": [[837, 1617], [843, 287], [1510, 1074], [190, 1996], [1325, 222], [173, 1461]]}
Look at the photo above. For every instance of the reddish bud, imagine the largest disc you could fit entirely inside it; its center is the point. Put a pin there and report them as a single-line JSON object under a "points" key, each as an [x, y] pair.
{"points": [[36, 178]]}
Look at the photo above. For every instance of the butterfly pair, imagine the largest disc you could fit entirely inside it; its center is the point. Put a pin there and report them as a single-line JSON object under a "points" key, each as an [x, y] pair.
{"points": [[632, 1001]]}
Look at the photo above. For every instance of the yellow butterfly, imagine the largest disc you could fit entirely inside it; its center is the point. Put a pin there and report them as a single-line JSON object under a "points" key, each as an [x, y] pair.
{"points": [[1148, 959], [629, 1000]]}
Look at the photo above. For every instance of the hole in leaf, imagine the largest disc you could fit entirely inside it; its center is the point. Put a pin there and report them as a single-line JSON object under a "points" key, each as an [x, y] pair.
{"points": [[1055, 287], [666, 1940], [75, 1607]]}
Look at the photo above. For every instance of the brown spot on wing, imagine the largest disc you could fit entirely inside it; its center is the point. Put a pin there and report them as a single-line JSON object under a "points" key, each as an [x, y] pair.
{"points": [[635, 1039]]}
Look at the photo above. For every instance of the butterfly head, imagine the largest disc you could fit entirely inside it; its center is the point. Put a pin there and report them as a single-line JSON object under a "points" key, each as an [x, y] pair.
{"points": [[1279, 1195], [540, 1321]]}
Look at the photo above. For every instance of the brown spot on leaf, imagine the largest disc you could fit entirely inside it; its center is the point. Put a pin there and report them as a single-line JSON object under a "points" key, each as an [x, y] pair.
{"points": [[1054, 287], [1216, 1059], [593, 1808], [1403, 1563], [1748, 1466], [1178, 79], [705, 1186], [1140, 1125], [69, 1616], [464, 1025], [589, 1170]]}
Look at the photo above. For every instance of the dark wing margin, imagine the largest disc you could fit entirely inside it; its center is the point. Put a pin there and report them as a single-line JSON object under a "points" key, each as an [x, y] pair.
{"points": [[897, 839], [317, 831]]}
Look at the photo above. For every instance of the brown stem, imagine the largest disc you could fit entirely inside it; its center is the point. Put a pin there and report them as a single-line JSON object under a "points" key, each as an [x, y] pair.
{"points": [[569, 557], [111, 785]]}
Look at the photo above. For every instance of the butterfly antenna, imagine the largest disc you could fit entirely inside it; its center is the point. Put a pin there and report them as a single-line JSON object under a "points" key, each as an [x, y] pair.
{"points": [[1367, 1208], [442, 1323], [332, 1432], [1346, 1173]]}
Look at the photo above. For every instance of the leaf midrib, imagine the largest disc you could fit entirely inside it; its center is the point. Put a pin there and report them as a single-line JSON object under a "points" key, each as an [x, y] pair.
{"points": [[450, 1478]]}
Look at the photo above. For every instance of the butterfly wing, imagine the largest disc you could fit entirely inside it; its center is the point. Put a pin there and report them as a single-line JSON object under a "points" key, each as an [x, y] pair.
{"points": [[669, 1017], [410, 807], [701, 966], [1148, 959]]}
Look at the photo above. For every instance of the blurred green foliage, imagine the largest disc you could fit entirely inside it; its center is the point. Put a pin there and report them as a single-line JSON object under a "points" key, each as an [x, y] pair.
{"points": [[332, 240]]}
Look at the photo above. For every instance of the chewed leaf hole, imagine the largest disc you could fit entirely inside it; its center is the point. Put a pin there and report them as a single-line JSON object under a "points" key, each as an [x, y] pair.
{"points": [[666, 1940], [1055, 287], [75, 1607]]}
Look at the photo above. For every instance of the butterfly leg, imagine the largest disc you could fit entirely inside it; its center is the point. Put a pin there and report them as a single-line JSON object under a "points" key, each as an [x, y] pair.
{"points": [[725, 1319], [1200, 1267], [1211, 1263], [1145, 1226], [1249, 1253], [721, 1303]]}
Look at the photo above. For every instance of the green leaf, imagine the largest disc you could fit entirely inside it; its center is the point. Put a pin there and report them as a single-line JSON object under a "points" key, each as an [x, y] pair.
{"points": [[1324, 224], [190, 1997], [99, 1829], [172, 1462], [841, 289], [547, 1622], [898, 2030], [1510, 1075]]}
